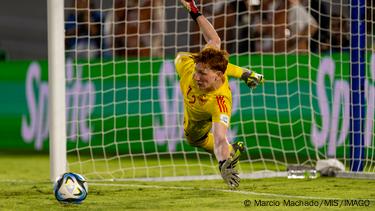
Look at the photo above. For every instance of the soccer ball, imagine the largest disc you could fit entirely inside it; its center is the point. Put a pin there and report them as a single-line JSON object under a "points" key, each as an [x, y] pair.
{"points": [[70, 188]]}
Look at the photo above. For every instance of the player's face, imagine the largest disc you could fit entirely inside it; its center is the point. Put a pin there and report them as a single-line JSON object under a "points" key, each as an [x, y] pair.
{"points": [[205, 77]]}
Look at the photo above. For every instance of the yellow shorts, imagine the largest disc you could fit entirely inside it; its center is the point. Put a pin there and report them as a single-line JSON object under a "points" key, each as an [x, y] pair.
{"points": [[196, 131]]}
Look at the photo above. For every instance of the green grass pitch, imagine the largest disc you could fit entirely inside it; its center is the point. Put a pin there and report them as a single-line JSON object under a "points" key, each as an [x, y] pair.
{"points": [[25, 185]]}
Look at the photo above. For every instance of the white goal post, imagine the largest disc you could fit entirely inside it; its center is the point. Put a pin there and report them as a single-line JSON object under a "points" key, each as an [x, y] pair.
{"points": [[115, 103], [56, 86]]}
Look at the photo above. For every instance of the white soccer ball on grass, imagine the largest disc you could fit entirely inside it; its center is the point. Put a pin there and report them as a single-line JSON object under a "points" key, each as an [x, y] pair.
{"points": [[70, 188]]}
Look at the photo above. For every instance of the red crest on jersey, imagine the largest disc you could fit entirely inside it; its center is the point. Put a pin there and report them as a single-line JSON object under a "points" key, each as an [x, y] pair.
{"points": [[202, 99]]}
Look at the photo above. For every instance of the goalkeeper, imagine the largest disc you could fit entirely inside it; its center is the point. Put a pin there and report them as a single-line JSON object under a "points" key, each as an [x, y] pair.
{"points": [[207, 96]]}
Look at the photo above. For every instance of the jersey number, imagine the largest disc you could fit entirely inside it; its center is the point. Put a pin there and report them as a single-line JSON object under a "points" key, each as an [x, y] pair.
{"points": [[192, 101]]}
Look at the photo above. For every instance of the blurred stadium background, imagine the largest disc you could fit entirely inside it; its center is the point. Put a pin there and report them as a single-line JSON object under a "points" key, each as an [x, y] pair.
{"points": [[23, 45], [24, 29], [272, 113]]}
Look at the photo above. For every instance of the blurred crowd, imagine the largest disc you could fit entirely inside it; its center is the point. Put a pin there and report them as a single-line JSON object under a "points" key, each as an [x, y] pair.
{"points": [[138, 28], [129, 29]]}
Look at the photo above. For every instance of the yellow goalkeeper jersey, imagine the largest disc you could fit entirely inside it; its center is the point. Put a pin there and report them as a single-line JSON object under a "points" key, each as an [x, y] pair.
{"points": [[199, 106]]}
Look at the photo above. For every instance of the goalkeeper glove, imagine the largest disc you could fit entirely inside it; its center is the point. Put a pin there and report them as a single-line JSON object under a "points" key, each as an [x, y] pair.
{"points": [[192, 8], [228, 173], [252, 79]]}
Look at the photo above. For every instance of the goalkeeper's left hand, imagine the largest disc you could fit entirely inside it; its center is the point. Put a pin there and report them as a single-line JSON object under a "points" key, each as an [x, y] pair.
{"points": [[252, 79]]}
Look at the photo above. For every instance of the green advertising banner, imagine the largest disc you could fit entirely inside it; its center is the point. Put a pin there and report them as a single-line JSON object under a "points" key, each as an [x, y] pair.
{"points": [[112, 105]]}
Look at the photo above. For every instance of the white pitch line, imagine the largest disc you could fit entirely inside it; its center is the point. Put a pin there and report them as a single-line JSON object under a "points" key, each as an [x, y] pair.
{"points": [[223, 190]]}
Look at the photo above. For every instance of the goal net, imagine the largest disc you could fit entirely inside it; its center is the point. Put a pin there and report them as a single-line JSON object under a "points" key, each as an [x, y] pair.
{"points": [[124, 113]]}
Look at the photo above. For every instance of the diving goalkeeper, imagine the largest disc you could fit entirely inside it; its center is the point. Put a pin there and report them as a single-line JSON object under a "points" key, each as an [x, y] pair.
{"points": [[208, 98]]}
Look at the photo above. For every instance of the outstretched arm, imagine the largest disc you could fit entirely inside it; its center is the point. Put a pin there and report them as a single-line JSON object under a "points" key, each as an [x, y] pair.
{"points": [[221, 149], [209, 33], [251, 78]]}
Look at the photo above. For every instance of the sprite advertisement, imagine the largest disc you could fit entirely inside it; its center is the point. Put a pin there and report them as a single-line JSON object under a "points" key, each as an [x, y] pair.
{"points": [[135, 106]]}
